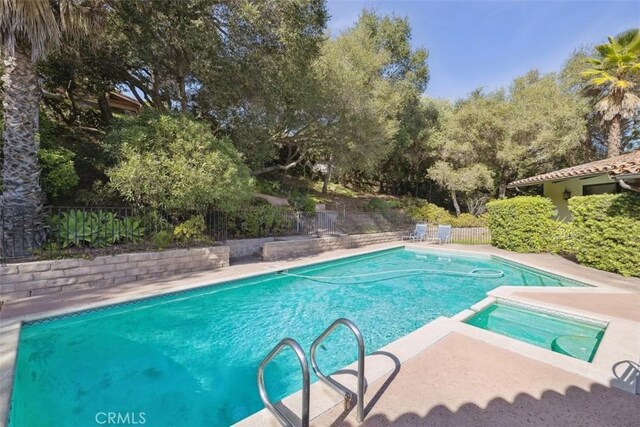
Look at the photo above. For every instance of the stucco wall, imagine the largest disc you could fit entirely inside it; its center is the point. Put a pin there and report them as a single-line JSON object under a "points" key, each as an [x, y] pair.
{"points": [[45, 277], [555, 191]]}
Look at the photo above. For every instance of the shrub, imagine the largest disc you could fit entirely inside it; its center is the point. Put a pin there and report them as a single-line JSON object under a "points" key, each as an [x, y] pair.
{"points": [[302, 202], [176, 163], [466, 220], [377, 205], [260, 221], [59, 176], [522, 224], [191, 230], [163, 238], [607, 232], [430, 213]]}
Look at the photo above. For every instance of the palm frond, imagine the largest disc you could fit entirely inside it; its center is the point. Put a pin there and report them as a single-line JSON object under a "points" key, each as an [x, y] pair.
{"points": [[77, 20], [33, 21]]}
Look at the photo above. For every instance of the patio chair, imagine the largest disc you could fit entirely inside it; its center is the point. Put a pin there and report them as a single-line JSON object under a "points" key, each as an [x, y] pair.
{"points": [[418, 234], [442, 236]]}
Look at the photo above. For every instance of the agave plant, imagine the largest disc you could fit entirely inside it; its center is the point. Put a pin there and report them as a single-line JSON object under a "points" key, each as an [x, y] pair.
{"points": [[95, 229], [72, 228]]}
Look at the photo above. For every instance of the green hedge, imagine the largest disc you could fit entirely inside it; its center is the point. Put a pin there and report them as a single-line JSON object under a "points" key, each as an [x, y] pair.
{"points": [[606, 230], [436, 215], [523, 224]]}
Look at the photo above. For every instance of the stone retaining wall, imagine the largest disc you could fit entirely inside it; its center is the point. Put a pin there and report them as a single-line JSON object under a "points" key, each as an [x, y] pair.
{"points": [[46, 277], [272, 251], [244, 248]]}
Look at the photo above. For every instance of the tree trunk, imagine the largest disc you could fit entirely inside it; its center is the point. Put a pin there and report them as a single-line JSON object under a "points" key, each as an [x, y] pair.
{"points": [[502, 187], [614, 137], [105, 109], [454, 199], [327, 178], [183, 93], [502, 190], [21, 202]]}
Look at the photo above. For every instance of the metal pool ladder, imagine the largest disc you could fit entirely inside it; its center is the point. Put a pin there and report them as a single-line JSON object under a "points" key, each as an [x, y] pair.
{"points": [[305, 382], [348, 395]]}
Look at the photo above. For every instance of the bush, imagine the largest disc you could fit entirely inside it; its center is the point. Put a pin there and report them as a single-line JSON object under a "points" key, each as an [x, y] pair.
{"points": [[59, 176], [377, 205], [430, 213], [302, 202], [522, 224], [436, 215], [607, 232], [191, 230], [176, 163], [260, 221], [163, 239], [466, 220]]}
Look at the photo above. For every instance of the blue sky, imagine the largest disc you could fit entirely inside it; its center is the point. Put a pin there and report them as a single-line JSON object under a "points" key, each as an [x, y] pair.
{"points": [[489, 43]]}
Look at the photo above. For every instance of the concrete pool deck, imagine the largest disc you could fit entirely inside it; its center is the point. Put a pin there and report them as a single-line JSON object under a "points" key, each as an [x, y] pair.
{"points": [[613, 299]]}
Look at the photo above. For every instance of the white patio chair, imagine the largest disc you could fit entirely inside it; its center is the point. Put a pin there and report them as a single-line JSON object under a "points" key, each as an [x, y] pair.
{"points": [[418, 234], [442, 236]]}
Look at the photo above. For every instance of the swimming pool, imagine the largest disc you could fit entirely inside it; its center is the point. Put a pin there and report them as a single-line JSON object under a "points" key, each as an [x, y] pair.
{"points": [[190, 358]]}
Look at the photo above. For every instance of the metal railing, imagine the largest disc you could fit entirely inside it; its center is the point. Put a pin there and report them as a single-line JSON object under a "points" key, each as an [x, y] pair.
{"points": [[287, 342], [57, 231], [348, 395], [466, 235], [79, 231]]}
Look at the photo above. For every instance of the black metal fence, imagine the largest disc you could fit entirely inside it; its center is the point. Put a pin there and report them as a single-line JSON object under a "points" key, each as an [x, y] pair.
{"points": [[79, 231], [91, 231]]}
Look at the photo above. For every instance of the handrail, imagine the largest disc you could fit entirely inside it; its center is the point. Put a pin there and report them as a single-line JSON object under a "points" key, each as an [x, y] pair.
{"points": [[348, 395], [305, 382]]}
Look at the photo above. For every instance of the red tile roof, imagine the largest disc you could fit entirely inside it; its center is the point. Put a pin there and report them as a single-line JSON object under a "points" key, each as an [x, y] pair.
{"points": [[626, 164]]}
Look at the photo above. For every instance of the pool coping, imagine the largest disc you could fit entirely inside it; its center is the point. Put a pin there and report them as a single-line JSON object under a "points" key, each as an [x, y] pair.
{"points": [[410, 345], [407, 347], [10, 327]]}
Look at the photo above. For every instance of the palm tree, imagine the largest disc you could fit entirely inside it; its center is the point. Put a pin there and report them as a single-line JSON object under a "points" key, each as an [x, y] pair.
{"points": [[614, 79], [28, 31]]}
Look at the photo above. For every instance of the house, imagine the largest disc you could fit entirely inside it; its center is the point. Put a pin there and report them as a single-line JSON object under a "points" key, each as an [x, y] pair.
{"points": [[612, 175], [119, 103]]}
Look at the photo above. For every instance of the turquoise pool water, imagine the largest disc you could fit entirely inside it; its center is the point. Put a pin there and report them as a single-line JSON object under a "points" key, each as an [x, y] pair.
{"points": [[560, 334], [190, 358]]}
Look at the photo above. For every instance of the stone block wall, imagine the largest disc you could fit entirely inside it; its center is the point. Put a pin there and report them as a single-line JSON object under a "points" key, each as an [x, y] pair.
{"points": [[22, 280], [244, 248], [278, 250]]}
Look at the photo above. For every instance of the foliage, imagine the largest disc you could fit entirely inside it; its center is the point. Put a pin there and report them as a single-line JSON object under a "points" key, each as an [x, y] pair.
{"points": [[377, 205], [522, 224], [436, 215], [302, 202], [466, 220], [260, 221], [163, 238], [94, 229], [607, 232], [59, 176], [174, 162], [508, 135], [191, 230], [613, 79]]}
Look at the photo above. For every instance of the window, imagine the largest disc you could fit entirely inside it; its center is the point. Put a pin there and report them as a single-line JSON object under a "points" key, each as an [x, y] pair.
{"points": [[608, 188]]}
